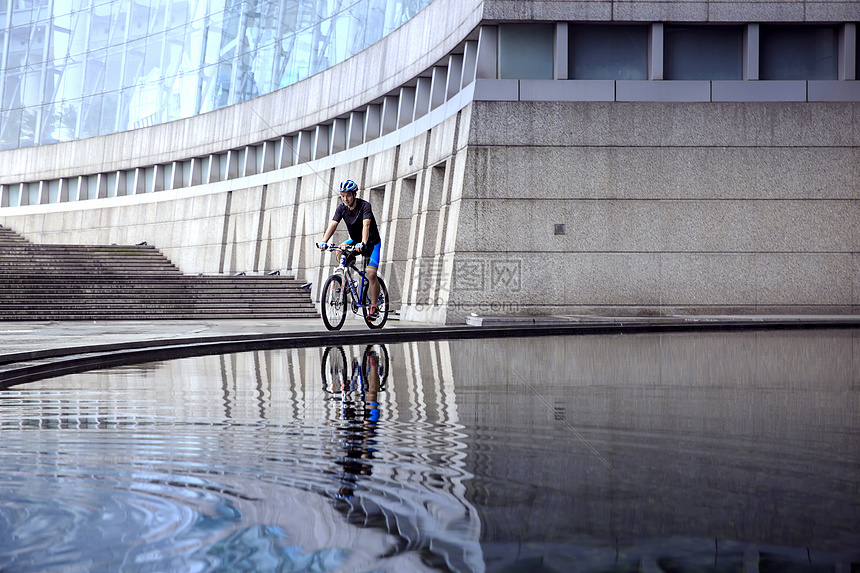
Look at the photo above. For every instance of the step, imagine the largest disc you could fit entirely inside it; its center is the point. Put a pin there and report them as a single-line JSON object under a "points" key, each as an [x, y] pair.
{"points": [[131, 282], [168, 276], [294, 294], [60, 316], [218, 305]]}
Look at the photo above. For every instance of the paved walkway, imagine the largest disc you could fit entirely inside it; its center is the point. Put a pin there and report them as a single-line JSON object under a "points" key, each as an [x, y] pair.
{"points": [[21, 336], [17, 337], [32, 350]]}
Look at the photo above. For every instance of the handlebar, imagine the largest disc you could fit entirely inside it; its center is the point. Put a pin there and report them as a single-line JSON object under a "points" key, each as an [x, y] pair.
{"points": [[348, 249]]}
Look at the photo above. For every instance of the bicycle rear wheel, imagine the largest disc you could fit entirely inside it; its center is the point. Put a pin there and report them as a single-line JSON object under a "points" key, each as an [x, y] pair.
{"points": [[333, 303], [382, 305]]}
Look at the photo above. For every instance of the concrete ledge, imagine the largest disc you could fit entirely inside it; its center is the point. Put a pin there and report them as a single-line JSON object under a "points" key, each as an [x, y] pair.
{"points": [[516, 320], [755, 91], [834, 91], [497, 90], [567, 90], [663, 91]]}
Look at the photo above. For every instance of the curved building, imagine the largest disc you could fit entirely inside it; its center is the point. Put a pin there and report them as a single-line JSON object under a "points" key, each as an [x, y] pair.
{"points": [[522, 157], [74, 69]]}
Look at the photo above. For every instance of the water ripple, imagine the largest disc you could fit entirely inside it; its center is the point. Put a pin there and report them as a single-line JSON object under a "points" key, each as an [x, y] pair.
{"points": [[88, 485]]}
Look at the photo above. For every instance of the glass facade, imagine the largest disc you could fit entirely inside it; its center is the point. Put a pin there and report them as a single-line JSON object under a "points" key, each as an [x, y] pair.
{"points": [[71, 69]]}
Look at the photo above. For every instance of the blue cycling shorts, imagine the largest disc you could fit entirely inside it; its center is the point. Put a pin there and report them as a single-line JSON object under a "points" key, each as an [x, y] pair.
{"points": [[373, 260]]}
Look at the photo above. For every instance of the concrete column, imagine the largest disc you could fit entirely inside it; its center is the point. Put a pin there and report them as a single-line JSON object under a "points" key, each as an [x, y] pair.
{"points": [[454, 77], [372, 122], [155, 181], [211, 169], [355, 131], [23, 195], [101, 186], [230, 167], [4, 196], [321, 142], [390, 105], [338, 135], [267, 160], [751, 52], [63, 195], [44, 195], [438, 84], [195, 177], [80, 192], [422, 97], [847, 52], [247, 161], [406, 106], [287, 151], [121, 184], [303, 146], [655, 52], [470, 63], [560, 52], [487, 65]]}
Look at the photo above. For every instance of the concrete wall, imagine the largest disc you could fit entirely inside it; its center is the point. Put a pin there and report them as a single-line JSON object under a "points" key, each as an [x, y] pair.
{"points": [[666, 208], [271, 221]]}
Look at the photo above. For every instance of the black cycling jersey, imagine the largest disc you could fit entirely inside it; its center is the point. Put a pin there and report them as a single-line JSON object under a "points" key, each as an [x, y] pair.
{"points": [[354, 219]]}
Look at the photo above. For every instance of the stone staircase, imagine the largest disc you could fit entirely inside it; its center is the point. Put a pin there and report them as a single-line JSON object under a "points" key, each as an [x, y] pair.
{"points": [[112, 282]]}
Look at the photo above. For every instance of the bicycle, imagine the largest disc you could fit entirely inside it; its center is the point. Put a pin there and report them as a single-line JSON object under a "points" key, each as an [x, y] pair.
{"points": [[335, 369], [343, 285]]}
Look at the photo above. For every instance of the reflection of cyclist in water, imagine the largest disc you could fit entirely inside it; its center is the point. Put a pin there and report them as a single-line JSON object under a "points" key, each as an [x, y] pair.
{"points": [[359, 409]]}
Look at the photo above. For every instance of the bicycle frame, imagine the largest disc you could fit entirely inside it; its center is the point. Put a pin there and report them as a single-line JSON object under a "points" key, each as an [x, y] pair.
{"points": [[349, 280]]}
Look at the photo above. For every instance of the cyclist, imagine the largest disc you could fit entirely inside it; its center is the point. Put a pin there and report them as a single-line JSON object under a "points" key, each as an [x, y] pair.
{"points": [[363, 234]]}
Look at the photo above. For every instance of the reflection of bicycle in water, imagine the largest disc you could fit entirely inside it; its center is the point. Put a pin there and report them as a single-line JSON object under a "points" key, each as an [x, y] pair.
{"points": [[335, 371], [355, 388]]}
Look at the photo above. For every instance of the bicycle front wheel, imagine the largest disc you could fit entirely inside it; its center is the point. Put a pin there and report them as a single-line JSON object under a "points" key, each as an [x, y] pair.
{"points": [[382, 305], [334, 369], [333, 303], [379, 354]]}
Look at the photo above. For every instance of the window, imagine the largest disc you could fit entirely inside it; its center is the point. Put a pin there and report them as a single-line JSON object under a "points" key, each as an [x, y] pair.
{"points": [[798, 52], [607, 52], [526, 50], [703, 52]]}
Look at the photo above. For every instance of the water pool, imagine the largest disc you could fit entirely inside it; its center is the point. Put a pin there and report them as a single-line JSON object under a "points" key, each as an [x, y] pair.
{"points": [[652, 452]]}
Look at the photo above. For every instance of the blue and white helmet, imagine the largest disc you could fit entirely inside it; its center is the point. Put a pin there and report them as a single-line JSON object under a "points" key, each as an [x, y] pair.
{"points": [[348, 186]]}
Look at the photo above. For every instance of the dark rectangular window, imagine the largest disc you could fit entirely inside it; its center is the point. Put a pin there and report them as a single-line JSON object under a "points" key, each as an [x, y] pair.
{"points": [[703, 52], [608, 52], [798, 52], [526, 51]]}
